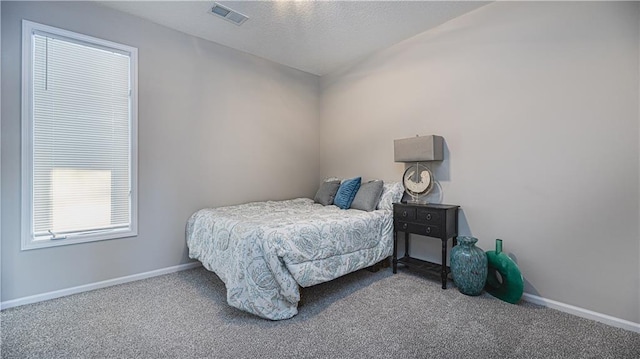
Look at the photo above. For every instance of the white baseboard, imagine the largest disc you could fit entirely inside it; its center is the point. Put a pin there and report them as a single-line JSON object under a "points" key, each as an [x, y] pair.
{"points": [[87, 287], [584, 313]]}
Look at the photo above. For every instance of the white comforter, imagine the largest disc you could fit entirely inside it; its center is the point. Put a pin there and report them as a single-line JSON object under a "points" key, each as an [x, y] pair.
{"points": [[264, 250]]}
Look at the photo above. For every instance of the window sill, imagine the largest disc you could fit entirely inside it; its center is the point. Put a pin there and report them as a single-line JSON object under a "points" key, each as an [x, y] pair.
{"points": [[29, 243]]}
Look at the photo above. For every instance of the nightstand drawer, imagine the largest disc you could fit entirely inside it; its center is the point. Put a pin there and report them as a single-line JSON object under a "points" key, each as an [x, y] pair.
{"points": [[404, 213], [429, 216], [421, 229]]}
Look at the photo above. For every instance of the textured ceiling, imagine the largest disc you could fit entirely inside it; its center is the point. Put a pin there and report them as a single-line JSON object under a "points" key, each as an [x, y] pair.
{"points": [[313, 36]]}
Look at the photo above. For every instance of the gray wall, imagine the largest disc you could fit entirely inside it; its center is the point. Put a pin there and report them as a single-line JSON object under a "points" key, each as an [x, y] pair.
{"points": [[216, 127], [538, 105]]}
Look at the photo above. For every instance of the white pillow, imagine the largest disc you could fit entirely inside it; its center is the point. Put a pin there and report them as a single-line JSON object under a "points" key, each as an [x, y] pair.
{"points": [[391, 193], [331, 179]]}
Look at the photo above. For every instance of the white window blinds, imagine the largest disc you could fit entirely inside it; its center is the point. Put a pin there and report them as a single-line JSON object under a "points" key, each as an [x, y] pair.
{"points": [[82, 136]]}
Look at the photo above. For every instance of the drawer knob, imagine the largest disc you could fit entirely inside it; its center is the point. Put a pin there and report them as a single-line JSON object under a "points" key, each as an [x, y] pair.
{"points": [[428, 216], [428, 229], [404, 226], [404, 213]]}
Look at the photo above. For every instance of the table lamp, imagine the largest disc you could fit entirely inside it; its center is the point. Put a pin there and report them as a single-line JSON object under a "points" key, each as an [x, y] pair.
{"points": [[418, 178]]}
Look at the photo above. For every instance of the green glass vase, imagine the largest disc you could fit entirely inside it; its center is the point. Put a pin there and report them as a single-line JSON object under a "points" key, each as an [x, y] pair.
{"points": [[504, 280]]}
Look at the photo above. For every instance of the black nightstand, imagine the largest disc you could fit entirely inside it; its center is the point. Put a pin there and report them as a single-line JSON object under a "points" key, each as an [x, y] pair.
{"points": [[431, 220]]}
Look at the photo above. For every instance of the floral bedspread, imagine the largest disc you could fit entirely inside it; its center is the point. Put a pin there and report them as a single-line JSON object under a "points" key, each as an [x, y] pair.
{"points": [[262, 251]]}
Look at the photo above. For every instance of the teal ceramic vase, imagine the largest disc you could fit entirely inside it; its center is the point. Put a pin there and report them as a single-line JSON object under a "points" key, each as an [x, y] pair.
{"points": [[468, 266]]}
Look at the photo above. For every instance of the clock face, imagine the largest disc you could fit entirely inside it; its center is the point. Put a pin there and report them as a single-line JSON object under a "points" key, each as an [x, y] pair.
{"points": [[417, 180]]}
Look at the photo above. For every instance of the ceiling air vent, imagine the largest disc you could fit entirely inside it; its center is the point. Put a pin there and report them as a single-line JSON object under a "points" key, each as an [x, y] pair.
{"points": [[228, 14]]}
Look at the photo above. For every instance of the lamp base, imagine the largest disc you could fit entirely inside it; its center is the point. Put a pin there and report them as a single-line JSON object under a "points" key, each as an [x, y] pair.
{"points": [[417, 181], [416, 200]]}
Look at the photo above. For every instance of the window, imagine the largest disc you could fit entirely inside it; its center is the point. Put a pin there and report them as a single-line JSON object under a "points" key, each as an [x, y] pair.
{"points": [[79, 131]]}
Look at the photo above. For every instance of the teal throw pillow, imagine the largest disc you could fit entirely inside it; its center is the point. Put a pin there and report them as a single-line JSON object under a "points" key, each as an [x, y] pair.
{"points": [[347, 192]]}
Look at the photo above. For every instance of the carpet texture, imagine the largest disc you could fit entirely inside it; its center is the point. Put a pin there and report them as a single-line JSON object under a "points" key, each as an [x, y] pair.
{"points": [[360, 315]]}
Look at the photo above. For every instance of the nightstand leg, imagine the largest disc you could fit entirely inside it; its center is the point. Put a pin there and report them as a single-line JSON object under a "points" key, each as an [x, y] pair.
{"points": [[406, 244], [395, 252], [443, 273]]}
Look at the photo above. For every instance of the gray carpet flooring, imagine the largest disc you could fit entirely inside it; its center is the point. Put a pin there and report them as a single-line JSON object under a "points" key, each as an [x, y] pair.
{"points": [[361, 315]]}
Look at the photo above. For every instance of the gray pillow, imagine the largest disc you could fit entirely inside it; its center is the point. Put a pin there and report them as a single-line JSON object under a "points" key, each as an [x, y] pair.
{"points": [[368, 196], [327, 192]]}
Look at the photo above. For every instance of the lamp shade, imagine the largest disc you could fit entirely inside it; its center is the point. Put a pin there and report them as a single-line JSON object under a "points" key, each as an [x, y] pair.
{"points": [[418, 149]]}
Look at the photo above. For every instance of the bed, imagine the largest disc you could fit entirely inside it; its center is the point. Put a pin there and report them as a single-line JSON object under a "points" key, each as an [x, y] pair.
{"points": [[265, 251]]}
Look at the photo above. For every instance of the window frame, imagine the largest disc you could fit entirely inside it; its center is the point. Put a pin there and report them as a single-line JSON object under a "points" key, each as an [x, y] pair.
{"points": [[27, 236]]}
